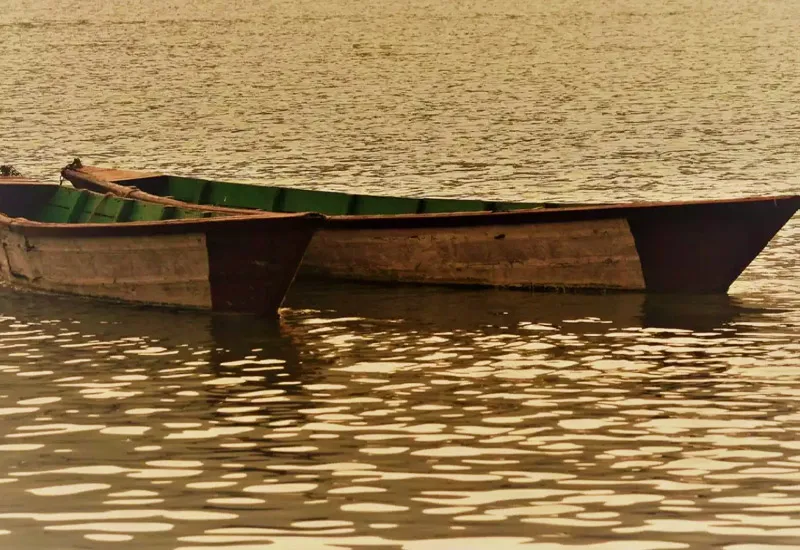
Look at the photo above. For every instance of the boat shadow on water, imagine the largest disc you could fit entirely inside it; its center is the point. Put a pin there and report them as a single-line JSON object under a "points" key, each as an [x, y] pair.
{"points": [[417, 307], [223, 335], [218, 345], [470, 309]]}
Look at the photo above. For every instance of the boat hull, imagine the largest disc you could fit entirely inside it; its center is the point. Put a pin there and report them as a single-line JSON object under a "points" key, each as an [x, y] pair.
{"points": [[594, 254], [695, 248], [233, 264], [680, 247]]}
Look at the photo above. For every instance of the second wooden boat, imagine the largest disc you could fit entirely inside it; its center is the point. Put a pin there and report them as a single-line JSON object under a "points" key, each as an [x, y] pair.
{"points": [[65, 240], [688, 247]]}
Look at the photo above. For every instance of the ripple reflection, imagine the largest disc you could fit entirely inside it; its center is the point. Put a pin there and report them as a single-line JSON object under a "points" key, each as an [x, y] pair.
{"points": [[434, 412]]}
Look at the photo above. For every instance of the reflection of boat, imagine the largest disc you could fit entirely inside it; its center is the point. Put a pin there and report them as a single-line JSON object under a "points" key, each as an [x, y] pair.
{"points": [[221, 338], [65, 240], [169, 327], [689, 247], [206, 346], [697, 313], [424, 308]]}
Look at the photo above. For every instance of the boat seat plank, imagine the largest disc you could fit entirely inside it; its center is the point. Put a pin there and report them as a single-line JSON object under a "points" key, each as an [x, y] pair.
{"points": [[324, 202], [235, 195], [112, 174]]}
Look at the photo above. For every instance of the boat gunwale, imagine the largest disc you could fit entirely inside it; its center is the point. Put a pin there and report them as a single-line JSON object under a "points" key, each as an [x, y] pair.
{"points": [[226, 270], [440, 219], [28, 226]]}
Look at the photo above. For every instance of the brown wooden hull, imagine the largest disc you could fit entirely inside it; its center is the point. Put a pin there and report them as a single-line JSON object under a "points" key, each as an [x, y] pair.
{"points": [[696, 248], [591, 255], [687, 247], [236, 264]]}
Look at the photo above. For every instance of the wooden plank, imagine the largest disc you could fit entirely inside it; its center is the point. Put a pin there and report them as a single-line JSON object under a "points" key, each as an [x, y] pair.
{"points": [[161, 269], [17, 180], [588, 254], [113, 174]]}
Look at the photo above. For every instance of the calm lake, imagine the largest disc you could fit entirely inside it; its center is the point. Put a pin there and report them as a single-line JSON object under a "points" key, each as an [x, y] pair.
{"points": [[410, 418]]}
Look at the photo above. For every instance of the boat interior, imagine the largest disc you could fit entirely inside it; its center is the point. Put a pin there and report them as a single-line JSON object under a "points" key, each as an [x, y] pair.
{"points": [[61, 204], [286, 199]]}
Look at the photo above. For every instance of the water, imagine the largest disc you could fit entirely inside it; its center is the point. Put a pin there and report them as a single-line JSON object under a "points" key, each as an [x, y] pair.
{"points": [[425, 419]]}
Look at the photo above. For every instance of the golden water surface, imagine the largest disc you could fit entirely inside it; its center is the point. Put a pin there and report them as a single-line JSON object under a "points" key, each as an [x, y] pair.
{"points": [[375, 417]]}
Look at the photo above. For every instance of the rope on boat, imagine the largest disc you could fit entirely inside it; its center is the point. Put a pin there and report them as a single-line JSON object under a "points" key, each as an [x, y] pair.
{"points": [[8, 170], [127, 191]]}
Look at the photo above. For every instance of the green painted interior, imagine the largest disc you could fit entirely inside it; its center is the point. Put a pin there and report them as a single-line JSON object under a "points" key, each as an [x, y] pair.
{"points": [[287, 199], [69, 205], [438, 206], [237, 195], [185, 189], [305, 200], [64, 206], [148, 212], [102, 209], [370, 205]]}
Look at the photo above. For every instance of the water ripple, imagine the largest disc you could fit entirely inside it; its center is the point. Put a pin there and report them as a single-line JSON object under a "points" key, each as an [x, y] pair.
{"points": [[413, 418]]}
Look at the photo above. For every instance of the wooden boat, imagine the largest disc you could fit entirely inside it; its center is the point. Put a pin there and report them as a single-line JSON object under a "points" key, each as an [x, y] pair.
{"points": [[66, 240], [688, 247]]}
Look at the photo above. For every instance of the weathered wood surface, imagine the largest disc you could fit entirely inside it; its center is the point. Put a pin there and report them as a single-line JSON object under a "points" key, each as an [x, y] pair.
{"points": [[252, 267], [591, 255], [18, 180], [243, 264], [230, 263], [686, 246], [114, 174], [159, 269]]}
